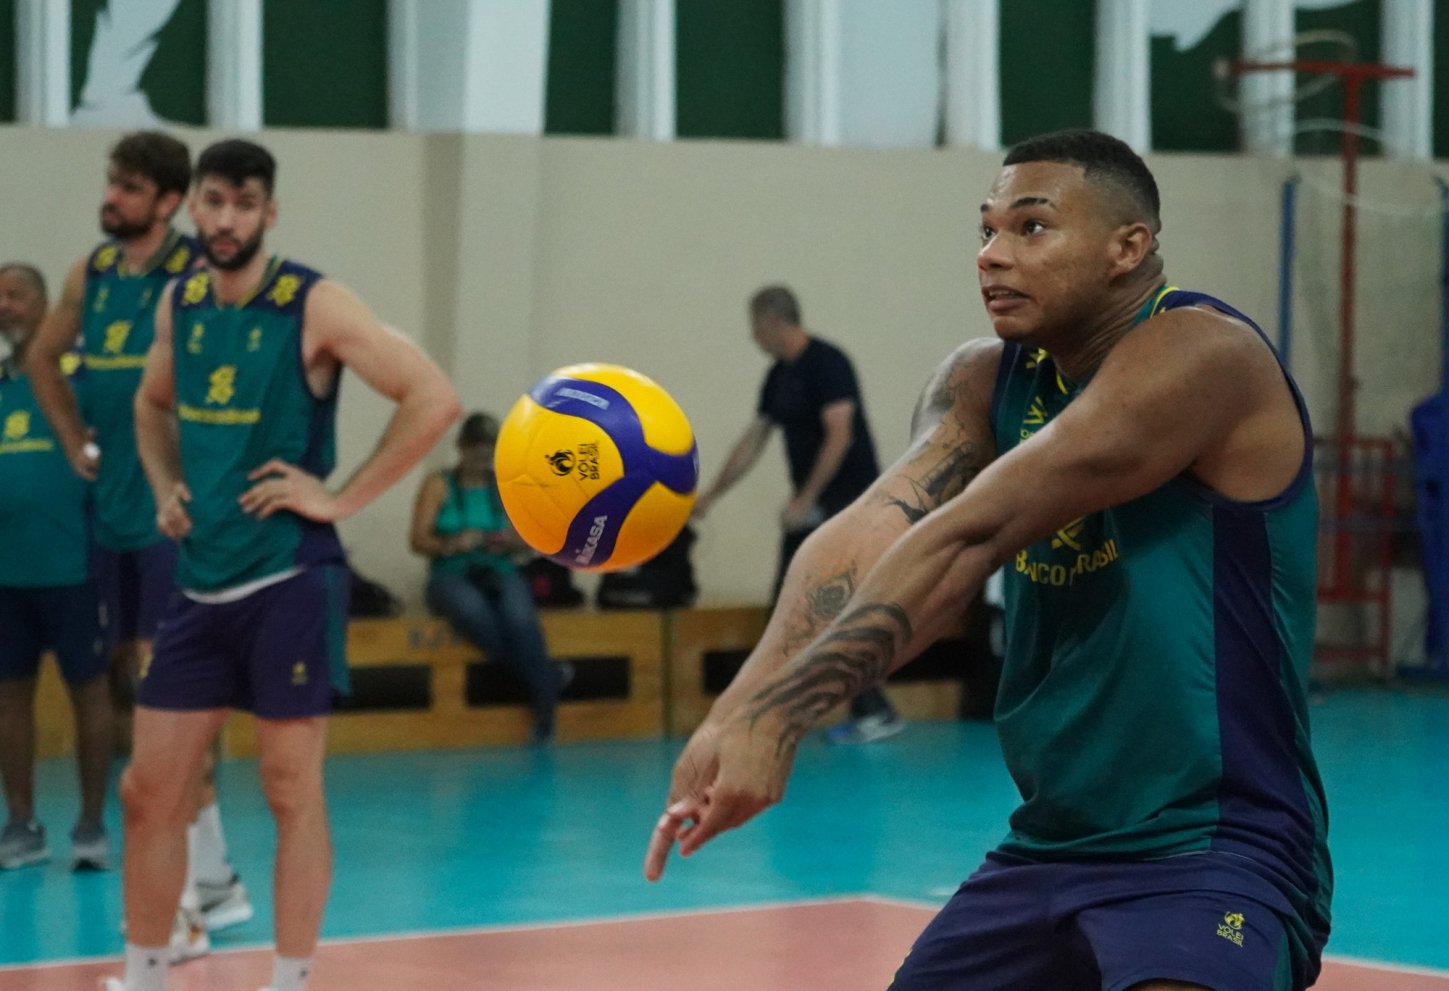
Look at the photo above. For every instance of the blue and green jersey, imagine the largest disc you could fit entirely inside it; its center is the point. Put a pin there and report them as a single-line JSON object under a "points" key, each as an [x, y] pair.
{"points": [[1152, 702], [117, 327], [242, 399], [44, 529]]}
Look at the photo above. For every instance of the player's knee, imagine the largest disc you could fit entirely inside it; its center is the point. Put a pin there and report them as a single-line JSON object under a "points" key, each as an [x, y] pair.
{"points": [[293, 791], [152, 798]]}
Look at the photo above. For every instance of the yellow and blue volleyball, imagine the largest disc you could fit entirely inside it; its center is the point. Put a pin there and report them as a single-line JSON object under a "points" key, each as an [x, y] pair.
{"points": [[597, 467]]}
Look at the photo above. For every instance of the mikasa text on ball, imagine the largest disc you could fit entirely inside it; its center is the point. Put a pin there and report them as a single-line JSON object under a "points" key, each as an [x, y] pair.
{"points": [[597, 467]]}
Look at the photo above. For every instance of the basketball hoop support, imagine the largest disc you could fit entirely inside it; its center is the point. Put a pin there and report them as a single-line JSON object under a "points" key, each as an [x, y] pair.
{"points": [[1353, 75]]}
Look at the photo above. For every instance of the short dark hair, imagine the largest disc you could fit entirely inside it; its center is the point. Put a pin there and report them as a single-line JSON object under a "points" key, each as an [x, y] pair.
{"points": [[1101, 157], [478, 428], [236, 161], [30, 273], [778, 302], [157, 156]]}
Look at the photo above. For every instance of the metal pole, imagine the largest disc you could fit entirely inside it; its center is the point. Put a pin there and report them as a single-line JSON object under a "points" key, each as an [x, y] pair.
{"points": [[1286, 251]]}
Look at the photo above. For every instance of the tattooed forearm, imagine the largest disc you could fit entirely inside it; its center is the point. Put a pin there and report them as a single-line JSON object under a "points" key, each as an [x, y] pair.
{"points": [[942, 480], [823, 602], [858, 650]]}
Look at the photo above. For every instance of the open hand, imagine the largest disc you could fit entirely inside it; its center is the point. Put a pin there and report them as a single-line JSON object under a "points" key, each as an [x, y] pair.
{"points": [[727, 774], [280, 486]]}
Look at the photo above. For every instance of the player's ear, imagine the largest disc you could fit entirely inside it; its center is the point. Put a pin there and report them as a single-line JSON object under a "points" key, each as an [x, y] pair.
{"points": [[271, 212], [169, 202], [1130, 247]]}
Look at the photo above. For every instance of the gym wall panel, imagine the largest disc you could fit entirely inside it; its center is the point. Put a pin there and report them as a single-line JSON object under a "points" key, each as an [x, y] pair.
{"points": [[1186, 114], [1048, 58], [173, 81], [730, 69], [1361, 19], [1441, 83], [324, 63], [582, 43], [7, 60]]}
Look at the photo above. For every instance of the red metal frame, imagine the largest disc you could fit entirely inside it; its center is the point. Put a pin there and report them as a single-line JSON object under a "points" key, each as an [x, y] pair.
{"points": [[1340, 588], [1353, 76]]}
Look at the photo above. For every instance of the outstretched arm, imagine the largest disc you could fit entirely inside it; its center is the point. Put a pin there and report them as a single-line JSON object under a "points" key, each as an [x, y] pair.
{"points": [[741, 459], [56, 336], [952, 443], [1124, 436], [340, 331]]}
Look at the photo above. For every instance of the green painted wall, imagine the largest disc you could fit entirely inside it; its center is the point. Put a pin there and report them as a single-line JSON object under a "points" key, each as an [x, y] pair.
{"points": [[7, 60], [1361, 20], [324, 63], [1047, 61], [730, 69], [579, 95], [1441, 84], [174, 80], [1186, 112]]}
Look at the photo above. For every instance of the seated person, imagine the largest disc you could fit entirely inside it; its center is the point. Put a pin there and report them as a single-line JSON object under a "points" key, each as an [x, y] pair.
{"points": [[473, 583]]}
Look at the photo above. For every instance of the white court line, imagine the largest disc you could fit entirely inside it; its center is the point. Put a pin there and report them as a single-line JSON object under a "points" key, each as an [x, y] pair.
{"points": [[503, 927], [603, 920]]}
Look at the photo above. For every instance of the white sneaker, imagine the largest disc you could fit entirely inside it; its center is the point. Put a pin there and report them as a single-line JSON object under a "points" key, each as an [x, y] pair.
{"points": [[188, 937], [225, 904], [112, 984]]}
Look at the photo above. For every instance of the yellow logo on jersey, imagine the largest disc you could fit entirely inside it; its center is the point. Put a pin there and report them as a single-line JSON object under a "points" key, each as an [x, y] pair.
{"points": [[299, 673], [106, 257], [194, 344], [254, 339], [102, 294], [1036, 358], [116, 335], [1231, 928], [178, 260], [1068, 535], [17, 425], [285, 290], [195, 290], [69, 362], [223, 385]]}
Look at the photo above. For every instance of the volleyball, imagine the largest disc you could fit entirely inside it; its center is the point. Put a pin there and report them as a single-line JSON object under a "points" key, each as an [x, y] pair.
{"points": [[597, 467]]}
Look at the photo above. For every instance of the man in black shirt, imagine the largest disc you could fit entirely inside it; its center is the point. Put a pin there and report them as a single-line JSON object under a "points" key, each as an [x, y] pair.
{"points": [[810, 393]]}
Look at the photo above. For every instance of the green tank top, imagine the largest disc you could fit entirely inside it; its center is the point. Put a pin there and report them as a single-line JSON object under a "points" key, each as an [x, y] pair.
{"points": [[1152, 701], [43, 526], [469, 509], [242, 399], [117, 327]]}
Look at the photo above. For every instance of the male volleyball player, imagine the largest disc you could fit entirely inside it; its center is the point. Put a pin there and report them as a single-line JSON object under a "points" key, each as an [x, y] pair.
{"points": [[1139, 462], [107, 306], [235, 422]]}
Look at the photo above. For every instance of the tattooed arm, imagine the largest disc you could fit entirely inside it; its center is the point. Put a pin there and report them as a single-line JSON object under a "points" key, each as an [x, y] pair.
{"points": [[952, 442]]}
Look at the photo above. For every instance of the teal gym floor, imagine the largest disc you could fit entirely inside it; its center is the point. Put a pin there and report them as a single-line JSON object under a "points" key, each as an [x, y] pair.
{"points": [[529, 852]]}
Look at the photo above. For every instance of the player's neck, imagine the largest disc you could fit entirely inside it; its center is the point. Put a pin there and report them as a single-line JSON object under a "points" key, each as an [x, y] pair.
{"points": [[233, 285], [1091, 343], [137, 253], [795, 343]]}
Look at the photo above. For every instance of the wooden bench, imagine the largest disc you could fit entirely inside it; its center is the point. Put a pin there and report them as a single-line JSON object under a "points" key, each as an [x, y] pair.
{"points": [[418, 687], [638, 674]]}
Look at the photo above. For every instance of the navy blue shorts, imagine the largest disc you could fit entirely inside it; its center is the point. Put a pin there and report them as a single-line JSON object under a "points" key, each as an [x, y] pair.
{"points": [[1085, 926], [136, 586], [67, 619], [280, 652]]}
